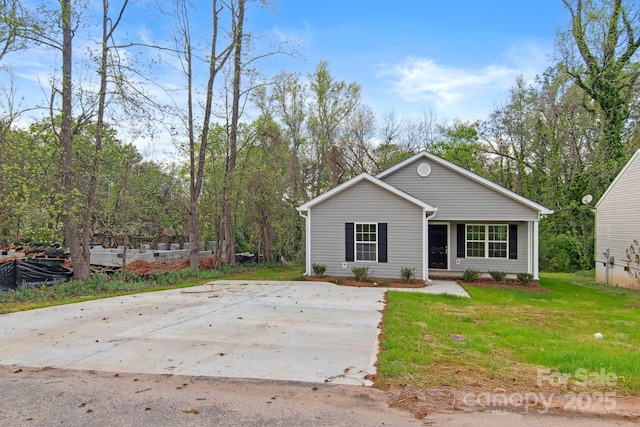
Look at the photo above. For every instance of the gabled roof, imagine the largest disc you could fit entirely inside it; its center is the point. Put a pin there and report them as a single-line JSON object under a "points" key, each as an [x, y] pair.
{"points": [[624, 169], [483, 181], [366, 177]]}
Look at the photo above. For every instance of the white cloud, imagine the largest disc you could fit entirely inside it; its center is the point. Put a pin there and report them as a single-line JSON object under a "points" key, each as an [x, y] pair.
{"points": [[423, 79]]}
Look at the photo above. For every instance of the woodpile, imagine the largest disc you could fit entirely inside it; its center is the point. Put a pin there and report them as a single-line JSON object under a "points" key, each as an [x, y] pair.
{"points": [[40, 252]]}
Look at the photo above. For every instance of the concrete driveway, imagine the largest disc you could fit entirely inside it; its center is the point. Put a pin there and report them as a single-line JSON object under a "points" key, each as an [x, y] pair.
{"points": [[303, 331]]}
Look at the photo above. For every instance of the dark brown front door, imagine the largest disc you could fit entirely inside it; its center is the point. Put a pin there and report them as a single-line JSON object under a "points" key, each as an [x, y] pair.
{"points": [[438, 246]]}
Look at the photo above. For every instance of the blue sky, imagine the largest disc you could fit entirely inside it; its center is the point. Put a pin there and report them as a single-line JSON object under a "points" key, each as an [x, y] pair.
{"points": [[456, 59]]}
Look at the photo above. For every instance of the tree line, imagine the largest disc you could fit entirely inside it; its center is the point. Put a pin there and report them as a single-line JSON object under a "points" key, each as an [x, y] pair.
{"points": [[255, 147]]}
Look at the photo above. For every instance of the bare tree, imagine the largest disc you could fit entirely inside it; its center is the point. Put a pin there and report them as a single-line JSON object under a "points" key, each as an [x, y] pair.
{"points": [[199, 137], [227, 220]]}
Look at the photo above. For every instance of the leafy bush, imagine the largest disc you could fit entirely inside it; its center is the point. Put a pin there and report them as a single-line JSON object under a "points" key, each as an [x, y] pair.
{"points": [[318, 269], [525, 278], [470, 275], [336, 280], [564, 253], [498, 276], [408, 274], [383, 283], [361, 273]]}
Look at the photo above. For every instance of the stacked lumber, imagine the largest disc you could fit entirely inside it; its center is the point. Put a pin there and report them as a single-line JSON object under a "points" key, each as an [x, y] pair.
{"points": [[41, 252]]}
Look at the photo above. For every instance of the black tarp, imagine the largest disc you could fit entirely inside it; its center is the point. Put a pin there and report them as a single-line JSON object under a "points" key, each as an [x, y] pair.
{"points": [[23, 274]]}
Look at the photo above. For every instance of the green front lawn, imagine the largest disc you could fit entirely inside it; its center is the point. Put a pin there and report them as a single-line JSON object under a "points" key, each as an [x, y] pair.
{"points": [[501, 338]]}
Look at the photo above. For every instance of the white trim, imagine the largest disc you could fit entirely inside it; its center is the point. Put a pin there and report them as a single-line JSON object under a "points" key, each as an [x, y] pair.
{"points": [[624, 169], [355, 241], [425, 246], [365, 176], [492, 185], [486, 240], [530, 259], [535, 250], [307, 243]]}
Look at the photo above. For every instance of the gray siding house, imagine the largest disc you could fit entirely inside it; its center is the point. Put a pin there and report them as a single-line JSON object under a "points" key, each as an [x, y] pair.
{"points": [[425, 213], [617, 226]]}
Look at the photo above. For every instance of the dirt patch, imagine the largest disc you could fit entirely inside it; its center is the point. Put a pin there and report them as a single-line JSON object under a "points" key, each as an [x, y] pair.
{"points": [[371, 283], [423, 402]]}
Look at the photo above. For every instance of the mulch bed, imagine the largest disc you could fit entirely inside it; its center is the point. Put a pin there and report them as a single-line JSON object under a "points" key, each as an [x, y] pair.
{"points": [[371, 283], [507, 284], [397, 283]]}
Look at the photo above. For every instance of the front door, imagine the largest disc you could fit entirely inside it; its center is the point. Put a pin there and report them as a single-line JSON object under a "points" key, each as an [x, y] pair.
{"points": [[438, 246]]}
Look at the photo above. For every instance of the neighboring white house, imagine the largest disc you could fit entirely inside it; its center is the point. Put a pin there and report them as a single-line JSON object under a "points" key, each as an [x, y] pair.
{"points": [[424, 213], [617, 226]]}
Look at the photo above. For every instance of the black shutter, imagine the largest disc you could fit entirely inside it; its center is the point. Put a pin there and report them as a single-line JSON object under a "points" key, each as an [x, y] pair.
{"points": [[461, 240], [382, 242], [513, 241], [348, 241]]}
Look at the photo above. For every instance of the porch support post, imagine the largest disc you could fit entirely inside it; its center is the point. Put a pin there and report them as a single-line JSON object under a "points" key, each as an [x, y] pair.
{"points": [[535, 250], [308, 241], [425, 246]]}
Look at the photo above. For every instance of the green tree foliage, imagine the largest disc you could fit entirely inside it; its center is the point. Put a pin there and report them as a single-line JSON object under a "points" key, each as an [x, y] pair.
{"points": [[600, 56], [553, 141]]}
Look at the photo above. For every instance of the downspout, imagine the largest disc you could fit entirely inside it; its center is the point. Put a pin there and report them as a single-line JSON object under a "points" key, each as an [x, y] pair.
{"points": [[307, 242], [425, 245]]}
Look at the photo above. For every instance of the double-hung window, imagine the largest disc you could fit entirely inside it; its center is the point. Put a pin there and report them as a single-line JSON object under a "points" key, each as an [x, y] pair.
{"points": [[487, 241], [366, 242]]}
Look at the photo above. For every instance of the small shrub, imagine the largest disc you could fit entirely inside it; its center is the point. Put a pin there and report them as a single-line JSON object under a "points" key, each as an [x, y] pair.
{"points": [[498, 276], [361, 273], [383, 283], [336, 280], [525, 278], [470, 275], [318, 269], [408, 274]]}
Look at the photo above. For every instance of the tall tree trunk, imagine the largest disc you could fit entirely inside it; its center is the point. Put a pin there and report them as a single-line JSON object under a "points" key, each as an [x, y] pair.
{"points": [[227, 219], [198, 156], [72, 234], [102, 95]]}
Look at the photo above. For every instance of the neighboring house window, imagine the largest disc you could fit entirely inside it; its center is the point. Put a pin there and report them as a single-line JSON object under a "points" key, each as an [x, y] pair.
{"points": [[487, 241], [366, 242]]}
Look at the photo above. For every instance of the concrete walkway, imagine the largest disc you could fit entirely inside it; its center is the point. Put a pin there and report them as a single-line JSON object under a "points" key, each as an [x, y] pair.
{"points": [[300, 331]]}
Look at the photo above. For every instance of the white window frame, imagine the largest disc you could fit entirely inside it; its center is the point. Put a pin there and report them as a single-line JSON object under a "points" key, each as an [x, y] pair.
{"points": [[368, 242], [486, 241]]}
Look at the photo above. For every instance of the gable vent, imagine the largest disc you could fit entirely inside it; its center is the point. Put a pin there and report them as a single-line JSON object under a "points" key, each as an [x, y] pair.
{"points": [[424, 170]]}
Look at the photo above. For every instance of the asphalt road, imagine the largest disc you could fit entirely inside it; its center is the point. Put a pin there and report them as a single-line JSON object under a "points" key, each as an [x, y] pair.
{"points": [[48, 397]]}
